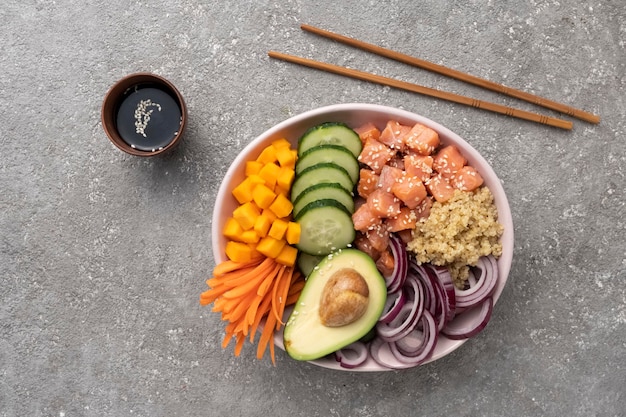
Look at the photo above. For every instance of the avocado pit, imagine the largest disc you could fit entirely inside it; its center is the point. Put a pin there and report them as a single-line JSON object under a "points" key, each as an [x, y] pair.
{"points": [[344, 298]]}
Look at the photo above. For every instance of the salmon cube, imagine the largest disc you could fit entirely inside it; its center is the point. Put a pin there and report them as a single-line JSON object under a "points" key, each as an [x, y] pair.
{"points": [[393, 135], [422, 139], [368, 130], [397, 161], [385, 263], [467, 179], [406, 220], [362, 243], [363, 218], [448, 161], [375, 154], [383, 204], [420, 166], [439, 187], [378, 238], [388, 177], [423, 210], [410, 190], [405, 235], [368, 182]]}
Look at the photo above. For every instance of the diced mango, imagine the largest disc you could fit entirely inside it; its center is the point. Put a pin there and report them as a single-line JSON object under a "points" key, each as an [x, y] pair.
{"points": [[267, 155], [269, 173], [232, 228], [270, 247], [285, 178], [263, 196], [281, 143], [246, 215], [278, 229], [281, 206], [287, 256], [263, 223], [249, 236], [243, 191], [253, 167], [285, 157], [238, 252], [293, 233]]}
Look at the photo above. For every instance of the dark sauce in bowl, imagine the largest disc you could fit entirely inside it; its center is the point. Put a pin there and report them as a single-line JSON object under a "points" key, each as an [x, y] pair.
{"points": [[148, 117]]}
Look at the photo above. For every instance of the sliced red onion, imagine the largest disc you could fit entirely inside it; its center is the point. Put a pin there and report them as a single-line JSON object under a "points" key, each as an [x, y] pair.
{"points": [[470, 322], [430, 294], [401, 261], [484, 286], [424, 350], [393, 305], [445, 300], [352, 356]]}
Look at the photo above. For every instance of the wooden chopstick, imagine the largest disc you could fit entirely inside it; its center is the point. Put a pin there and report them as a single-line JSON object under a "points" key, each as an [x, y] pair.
{"points": [[440, 69], [366, 76]]}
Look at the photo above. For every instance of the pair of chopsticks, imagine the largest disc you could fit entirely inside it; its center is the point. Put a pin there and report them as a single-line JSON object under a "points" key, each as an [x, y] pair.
{"points": [[456, 98]]}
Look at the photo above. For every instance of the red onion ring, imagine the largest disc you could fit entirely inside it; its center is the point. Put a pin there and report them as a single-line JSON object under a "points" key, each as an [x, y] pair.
{"points": [[395, 281], [352, 356], [484, 286], [408, 316], [470, 322], [425, 349], [393, 305]]}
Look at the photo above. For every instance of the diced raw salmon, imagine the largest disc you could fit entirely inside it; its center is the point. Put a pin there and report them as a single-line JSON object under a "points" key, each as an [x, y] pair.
{"points": [[405, 235], [397, 161], [368, 182], [385, 263], [467, 179], [393, 135], [448, 161], [440, 188], [378, 238], [422, 139], [363, 244], [406, 220], [363, 218], [410, 190], [420, 166], [388, 177], [423, 210], [383, 204], [368, 130], [375, 154]]}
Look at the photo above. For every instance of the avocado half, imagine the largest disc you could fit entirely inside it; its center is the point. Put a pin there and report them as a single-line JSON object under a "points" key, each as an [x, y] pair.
{"points": [[305, 336]]}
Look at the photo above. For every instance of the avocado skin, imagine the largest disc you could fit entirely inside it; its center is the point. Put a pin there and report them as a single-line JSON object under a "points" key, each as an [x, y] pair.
{"points": [[305, 337]]}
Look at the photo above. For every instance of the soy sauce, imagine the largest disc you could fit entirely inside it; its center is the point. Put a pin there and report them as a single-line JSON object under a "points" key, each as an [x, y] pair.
{"points": [[148, 117]]}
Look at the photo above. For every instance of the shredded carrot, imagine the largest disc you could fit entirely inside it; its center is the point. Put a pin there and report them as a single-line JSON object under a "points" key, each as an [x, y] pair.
{"points": [[250, 295]]}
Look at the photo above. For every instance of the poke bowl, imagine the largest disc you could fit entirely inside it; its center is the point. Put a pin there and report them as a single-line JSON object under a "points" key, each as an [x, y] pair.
{"points": [[356, 115]]}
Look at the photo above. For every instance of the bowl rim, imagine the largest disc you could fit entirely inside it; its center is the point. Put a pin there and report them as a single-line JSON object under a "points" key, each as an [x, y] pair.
{"points": [[471, 154], [110, 101]]}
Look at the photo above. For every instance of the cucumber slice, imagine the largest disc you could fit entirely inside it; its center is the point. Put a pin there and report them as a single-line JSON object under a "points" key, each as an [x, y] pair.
{"points": [[307, 262], [326, 226], [326, 172], [330, 133], [330, 153], [322, 191]]}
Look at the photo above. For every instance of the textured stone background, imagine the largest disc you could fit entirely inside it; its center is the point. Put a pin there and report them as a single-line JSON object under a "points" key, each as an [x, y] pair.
{"points": [[103, 255]]}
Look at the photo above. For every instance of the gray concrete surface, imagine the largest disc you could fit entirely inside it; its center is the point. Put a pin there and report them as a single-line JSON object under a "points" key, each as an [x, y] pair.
{"points": [[103, 255]]}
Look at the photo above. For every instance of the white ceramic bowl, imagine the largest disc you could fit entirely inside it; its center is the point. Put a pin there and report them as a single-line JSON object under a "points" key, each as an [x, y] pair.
{"points": [[355, 115]]}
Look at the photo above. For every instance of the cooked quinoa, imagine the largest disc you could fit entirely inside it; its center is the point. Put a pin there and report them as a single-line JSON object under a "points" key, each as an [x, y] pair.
{"points": [[458, 232]]}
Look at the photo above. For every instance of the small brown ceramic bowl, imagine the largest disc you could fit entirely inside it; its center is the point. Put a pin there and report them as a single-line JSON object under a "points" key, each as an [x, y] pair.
{"points": [[143, 114]]}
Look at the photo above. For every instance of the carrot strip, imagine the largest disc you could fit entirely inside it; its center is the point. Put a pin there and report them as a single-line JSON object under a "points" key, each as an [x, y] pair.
{"points": [[245, 288], [283, 297], [296, 287], [262, 269], [278, 298], [229, 266], [292, 299], [266, 285], [239, 345], [259, 316], [266, 336]]}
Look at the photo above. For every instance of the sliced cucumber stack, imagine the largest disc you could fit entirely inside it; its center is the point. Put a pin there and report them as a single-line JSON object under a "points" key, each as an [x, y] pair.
{"points": [[322, 193]]}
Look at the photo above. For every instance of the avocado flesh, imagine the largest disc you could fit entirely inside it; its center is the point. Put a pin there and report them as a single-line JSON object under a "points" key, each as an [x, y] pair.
{"points": [[305, 337]]}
